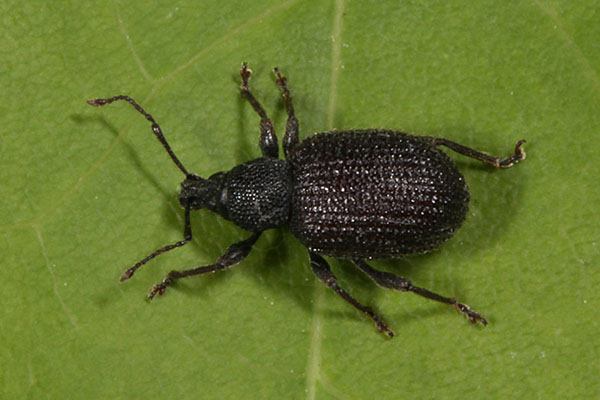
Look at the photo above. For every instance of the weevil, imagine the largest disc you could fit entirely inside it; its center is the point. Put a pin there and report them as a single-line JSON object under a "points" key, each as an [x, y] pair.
{"points": [[356, 195]]}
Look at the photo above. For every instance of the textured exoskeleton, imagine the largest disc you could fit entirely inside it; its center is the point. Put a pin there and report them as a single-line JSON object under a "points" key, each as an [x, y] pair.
{"points": [[360, 194]]}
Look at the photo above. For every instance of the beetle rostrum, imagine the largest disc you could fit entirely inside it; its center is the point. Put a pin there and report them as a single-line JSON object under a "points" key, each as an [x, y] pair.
{"points": [[359, 195]]}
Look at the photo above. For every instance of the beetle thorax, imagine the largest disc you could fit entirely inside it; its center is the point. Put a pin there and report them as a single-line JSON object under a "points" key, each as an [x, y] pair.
{"points": [[254, 195], [257, 194]]}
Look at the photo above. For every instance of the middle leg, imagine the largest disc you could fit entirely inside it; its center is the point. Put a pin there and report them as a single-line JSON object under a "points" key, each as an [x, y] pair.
{"points": [[291, 128], [323, 272]]}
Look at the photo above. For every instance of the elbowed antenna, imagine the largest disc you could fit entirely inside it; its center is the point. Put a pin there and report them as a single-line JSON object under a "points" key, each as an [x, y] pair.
{"points": [[155, 127]]}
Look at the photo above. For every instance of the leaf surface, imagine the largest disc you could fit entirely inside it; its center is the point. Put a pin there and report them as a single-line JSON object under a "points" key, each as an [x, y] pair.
{"points": [[87, 192]]}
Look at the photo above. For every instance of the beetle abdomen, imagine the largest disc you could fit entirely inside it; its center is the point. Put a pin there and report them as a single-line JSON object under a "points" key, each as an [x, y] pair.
{"points": [[374, 194]]}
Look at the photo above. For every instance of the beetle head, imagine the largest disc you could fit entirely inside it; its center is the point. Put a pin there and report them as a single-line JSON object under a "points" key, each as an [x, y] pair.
{"points": [[197, 193]]}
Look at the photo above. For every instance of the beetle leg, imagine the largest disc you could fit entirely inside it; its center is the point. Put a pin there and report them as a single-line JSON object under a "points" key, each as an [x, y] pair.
{"points": [[391, 281], [290, 139], [323, 272], [233, 255], [496, 162], [268, 137], [187, 236]]}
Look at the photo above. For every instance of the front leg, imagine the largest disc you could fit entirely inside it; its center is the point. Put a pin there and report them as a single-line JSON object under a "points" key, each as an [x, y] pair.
{"points": [[268, 137], [233, 255]]}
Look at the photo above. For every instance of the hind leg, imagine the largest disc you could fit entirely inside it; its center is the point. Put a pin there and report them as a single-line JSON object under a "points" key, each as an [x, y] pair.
{"points": [[391, 281]]}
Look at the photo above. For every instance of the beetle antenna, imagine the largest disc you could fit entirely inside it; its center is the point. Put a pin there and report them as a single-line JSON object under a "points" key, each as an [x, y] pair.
{"points": [[155, 127]]}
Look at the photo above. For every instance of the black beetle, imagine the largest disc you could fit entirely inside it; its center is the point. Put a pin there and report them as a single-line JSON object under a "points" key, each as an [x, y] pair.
{"points": [[361, 194]]}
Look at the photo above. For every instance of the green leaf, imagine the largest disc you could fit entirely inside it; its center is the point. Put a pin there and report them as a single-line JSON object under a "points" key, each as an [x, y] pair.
{"points": [[87, 192]]}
